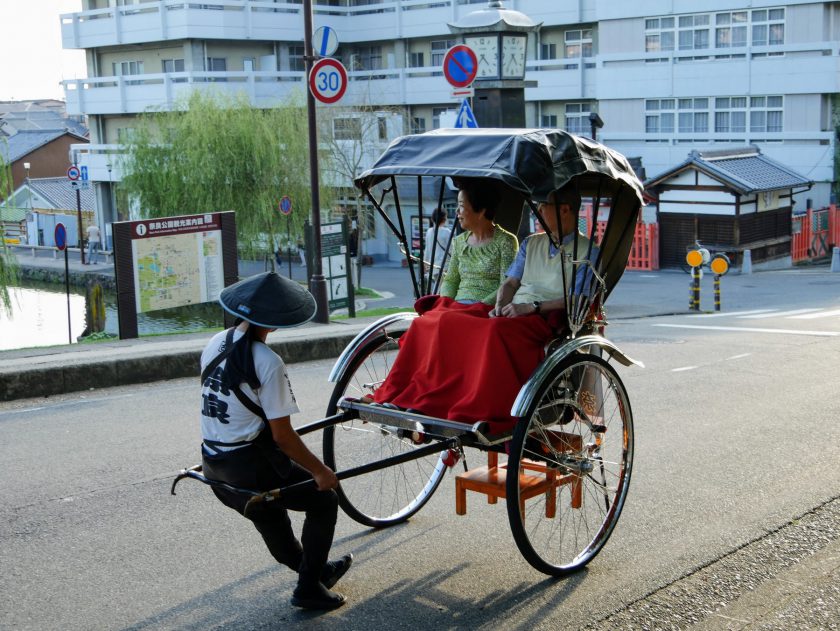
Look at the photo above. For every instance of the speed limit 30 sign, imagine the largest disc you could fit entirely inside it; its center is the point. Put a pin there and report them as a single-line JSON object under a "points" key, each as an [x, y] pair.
{"points": [[328, 80]]}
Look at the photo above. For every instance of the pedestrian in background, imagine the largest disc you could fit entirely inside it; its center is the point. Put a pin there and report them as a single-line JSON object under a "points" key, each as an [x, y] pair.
{"points": [[249, 441], [93, 239], [435, 250]]}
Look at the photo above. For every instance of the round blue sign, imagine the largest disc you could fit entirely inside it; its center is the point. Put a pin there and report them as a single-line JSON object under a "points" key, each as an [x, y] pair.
{"points": [[286, 205], [60, 236]]}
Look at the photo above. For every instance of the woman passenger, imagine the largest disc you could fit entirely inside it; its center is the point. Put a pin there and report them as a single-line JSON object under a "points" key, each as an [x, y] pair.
{"points": [[483, 252]]}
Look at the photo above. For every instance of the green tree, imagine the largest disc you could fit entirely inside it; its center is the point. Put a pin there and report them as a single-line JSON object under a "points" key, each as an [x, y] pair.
{"points": [[8, 264], [219, 153]]}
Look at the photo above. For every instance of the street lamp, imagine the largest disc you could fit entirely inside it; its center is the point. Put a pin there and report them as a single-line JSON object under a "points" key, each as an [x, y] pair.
{"points": [[595, 122]]}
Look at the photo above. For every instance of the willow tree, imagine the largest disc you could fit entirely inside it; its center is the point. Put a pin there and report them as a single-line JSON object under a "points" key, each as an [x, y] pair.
{"points": [[8, 263], [216, 153]]}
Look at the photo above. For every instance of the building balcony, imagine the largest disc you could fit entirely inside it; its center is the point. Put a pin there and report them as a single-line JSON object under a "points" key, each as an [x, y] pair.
{"points": [[801, 69], [561, 80], [169, 20], [134, 94]]}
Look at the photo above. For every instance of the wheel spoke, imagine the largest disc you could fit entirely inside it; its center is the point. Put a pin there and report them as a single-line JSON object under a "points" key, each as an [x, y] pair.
{"points": [[384, 496], [591, 468]]}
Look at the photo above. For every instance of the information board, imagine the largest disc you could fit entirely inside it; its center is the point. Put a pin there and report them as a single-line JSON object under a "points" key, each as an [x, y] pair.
{"points": [[172, 262], [334, 264]]}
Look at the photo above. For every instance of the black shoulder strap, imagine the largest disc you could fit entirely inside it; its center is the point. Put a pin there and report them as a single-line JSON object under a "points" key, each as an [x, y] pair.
{"points": [[248, 403], [220, 357], [243, 399]]}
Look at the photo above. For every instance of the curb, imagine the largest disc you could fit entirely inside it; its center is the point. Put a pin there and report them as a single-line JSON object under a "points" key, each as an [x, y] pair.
{"points": [[51, 379]]}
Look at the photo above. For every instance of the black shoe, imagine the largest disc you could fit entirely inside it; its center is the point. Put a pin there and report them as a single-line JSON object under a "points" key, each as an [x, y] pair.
{"points": [[334, 570], [317, 597]]}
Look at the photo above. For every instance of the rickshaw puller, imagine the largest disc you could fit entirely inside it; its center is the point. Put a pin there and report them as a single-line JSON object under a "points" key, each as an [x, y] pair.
{"points": [[249, 442]]}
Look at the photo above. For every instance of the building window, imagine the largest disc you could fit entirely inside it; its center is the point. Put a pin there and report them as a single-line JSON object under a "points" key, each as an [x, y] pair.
{"points": [[415, 60], [659, 116], [693, 32], [768, 29], [659, 34], [549, 121], [766, 113], [122, 68], [578, 43], [173, 65], [126, 134], [418, 125], [347, 129], [439, 48], [382, 125], [296, 63], [730, 29], [367, 58], [577, 118], [731, 114], [693, 115]]}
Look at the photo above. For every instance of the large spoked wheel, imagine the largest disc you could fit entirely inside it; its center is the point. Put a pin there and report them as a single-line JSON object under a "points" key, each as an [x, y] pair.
{"points": [[387, 496], [573, 454]]}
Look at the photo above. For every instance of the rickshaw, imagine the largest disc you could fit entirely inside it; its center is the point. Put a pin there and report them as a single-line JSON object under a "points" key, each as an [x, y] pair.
{"points": [[564, 469]]}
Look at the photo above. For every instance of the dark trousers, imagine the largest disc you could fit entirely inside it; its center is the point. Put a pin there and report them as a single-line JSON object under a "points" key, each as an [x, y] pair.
{"points": [[256, 469]]}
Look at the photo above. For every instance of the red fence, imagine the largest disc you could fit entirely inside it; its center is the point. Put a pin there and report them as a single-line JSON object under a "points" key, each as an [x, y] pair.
{"points": [[644, 255], [814, 233]]}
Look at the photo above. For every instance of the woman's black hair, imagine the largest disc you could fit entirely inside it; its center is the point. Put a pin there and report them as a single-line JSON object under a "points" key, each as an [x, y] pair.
{"points": [[482, 195], [438, 216]]}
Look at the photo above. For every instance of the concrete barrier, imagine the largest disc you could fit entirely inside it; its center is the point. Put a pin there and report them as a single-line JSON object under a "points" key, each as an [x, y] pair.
{"points": [[746, 263], [835, 259]]}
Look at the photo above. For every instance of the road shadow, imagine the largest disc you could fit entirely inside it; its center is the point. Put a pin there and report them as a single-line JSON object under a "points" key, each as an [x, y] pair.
{"points": [[433, 600]]}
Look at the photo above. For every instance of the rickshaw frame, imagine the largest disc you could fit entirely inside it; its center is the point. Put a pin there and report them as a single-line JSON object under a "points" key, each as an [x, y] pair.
{"points": [[529, 164]]}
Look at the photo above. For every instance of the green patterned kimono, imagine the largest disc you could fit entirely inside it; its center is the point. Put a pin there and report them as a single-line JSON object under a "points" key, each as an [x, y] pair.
{"points": [[475, 272]]}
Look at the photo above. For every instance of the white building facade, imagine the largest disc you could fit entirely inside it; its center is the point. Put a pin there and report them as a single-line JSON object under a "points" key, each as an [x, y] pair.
{"points": [[665, 76]]}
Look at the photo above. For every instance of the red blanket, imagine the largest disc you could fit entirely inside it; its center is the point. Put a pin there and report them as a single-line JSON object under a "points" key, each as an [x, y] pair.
{"points": [[456, 362]]}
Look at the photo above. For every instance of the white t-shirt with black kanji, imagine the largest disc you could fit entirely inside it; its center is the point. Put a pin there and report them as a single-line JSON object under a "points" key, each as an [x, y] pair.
{"points": [[223, 418]]}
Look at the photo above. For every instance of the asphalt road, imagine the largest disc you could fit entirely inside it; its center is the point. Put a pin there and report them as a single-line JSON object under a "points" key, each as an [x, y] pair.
{"points": [[736, 434]]}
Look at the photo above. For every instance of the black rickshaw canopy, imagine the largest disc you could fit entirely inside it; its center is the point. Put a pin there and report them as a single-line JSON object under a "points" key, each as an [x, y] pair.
{"points": [[532, 163]]}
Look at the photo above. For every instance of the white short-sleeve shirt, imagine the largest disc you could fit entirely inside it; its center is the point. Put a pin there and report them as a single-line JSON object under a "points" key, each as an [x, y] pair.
{"points": [[223, 418]]}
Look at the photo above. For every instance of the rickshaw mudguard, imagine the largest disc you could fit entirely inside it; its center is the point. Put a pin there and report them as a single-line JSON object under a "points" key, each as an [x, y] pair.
{"points": [[528, 392], [371, 332]]}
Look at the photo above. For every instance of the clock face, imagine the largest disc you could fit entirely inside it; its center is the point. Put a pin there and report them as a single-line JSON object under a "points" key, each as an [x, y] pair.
{"points": [[486, 50], [513, 56]]}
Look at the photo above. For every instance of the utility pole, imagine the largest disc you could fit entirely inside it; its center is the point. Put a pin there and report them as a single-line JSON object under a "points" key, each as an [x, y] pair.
{"points": [[317, 283]]}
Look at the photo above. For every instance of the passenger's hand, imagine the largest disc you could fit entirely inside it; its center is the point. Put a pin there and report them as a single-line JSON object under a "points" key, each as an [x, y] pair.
{"points": [[515, 310], [495, 312], [326, 479]]}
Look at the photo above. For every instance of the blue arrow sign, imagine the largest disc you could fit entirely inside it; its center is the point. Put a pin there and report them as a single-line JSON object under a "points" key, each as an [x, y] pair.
{"points": [[84, 172], [465, 117]]}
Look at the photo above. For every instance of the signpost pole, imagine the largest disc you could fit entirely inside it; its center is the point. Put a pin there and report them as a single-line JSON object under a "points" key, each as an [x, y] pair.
{"points": [[60, 238], [317, 284], [289, 230], [67, 291], [79, 219]]}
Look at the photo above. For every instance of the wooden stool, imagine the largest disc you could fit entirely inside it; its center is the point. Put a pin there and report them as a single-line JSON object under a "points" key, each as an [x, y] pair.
{"points": [[491, 479]]}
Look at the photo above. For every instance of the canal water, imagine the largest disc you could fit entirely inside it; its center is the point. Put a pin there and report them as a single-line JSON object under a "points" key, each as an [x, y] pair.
{"points": [[39, 317]]}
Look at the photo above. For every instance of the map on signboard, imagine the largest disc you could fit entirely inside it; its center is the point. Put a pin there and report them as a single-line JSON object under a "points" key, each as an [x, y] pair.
{"points": [[177, 270]]}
